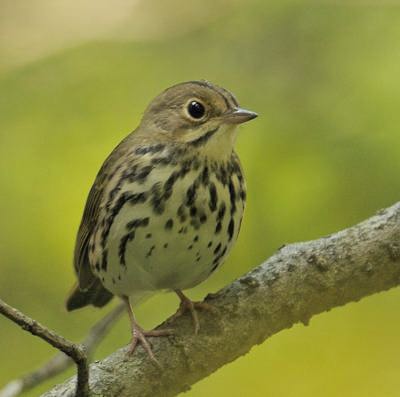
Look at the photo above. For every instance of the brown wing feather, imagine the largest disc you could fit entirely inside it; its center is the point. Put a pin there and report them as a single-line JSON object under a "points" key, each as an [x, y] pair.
{"points": [[89, 289], [89, 219], [86, 278]]}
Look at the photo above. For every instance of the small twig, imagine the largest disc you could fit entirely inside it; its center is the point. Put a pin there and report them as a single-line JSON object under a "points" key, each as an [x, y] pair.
{"points": [[75, 351], [61, 361]]}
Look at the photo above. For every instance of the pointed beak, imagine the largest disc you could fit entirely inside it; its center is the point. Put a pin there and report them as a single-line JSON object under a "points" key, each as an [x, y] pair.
{"points": [[238, 116]]}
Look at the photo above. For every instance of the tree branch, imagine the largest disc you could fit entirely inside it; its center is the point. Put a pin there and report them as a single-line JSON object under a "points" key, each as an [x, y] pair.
{"points": [[76, 352], [60, 362], [299, 281]]}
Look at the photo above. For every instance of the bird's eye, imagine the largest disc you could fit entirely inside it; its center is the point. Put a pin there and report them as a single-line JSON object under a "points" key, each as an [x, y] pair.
{"points": [[196, 109]]}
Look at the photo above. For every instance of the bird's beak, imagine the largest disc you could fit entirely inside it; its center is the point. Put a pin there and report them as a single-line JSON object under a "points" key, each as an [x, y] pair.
{"points": [[238, 116]]}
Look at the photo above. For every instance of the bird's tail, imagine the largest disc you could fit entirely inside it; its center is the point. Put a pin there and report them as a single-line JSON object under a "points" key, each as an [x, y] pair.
{"points": [[95, 295]]}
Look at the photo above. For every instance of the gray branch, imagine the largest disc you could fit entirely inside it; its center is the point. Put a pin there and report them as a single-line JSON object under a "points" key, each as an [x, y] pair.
{"points": [[60, 362], [74, 351], [299, 281]]}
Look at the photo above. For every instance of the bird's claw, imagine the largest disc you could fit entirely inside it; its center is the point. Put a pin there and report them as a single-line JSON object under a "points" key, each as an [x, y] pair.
{"points": [[140, 335], [189, 305]]}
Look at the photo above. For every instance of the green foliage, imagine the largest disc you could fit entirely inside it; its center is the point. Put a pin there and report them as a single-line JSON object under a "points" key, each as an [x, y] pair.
{"points": [[323, 155]]}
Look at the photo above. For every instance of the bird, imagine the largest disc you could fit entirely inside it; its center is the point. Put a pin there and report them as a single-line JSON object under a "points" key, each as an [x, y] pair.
{"points": [[166, 206]]}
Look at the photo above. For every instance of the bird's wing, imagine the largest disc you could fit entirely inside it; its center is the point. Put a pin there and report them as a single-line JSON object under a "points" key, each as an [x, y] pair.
{"points": [[90, 218]]}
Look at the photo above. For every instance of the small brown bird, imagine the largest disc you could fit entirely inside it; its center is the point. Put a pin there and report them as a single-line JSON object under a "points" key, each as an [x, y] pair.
{"points": [[166, 206]]}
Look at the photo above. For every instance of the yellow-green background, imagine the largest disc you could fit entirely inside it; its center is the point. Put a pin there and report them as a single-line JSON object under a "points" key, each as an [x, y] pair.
{"points": [[324, 154]]}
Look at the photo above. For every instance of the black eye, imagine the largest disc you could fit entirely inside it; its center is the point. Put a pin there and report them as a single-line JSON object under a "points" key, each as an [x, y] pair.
{"points": [[196, 109]]}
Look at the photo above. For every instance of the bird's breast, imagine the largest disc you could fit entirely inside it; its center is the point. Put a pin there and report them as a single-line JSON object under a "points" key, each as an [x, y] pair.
{"points": [[168, 224]]}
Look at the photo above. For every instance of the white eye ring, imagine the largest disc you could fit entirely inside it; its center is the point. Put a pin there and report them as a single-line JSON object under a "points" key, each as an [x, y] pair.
{"points": [[195, 109]]}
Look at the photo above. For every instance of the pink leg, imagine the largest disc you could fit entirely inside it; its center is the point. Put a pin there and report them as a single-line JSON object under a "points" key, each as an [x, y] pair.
{"points": [[139, 334], [189, 305]]}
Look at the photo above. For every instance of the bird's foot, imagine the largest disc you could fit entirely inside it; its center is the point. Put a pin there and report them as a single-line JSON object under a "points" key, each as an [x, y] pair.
{"points": [[189, 305], [139, 335]]}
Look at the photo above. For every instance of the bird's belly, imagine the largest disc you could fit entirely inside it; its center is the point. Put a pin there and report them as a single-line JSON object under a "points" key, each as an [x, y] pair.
{"points": [[173, 259], [176, 245]]}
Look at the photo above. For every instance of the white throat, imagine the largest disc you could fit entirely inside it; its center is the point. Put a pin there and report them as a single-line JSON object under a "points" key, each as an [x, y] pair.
{"points": [[220, 145]]}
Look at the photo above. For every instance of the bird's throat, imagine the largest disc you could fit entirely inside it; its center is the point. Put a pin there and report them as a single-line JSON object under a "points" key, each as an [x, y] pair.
{"points": [[216, 144]]}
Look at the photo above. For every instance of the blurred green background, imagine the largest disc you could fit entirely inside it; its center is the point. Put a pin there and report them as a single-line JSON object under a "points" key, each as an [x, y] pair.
{"points": [[323, 155]]}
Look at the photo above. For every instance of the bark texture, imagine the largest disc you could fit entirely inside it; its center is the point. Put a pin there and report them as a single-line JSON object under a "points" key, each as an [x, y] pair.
{"points": [[299, 281], [60, 362]]}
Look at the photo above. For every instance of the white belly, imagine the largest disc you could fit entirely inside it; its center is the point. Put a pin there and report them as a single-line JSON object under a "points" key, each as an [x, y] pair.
{"points": [[175, 248]]}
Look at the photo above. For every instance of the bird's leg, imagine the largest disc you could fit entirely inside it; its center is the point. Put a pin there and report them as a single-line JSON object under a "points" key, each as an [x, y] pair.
{"points": [[139, 334], [189, 305]]}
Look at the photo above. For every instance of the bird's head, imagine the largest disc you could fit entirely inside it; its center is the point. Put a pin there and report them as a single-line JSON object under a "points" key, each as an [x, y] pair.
{"points": [[196, 114]]}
